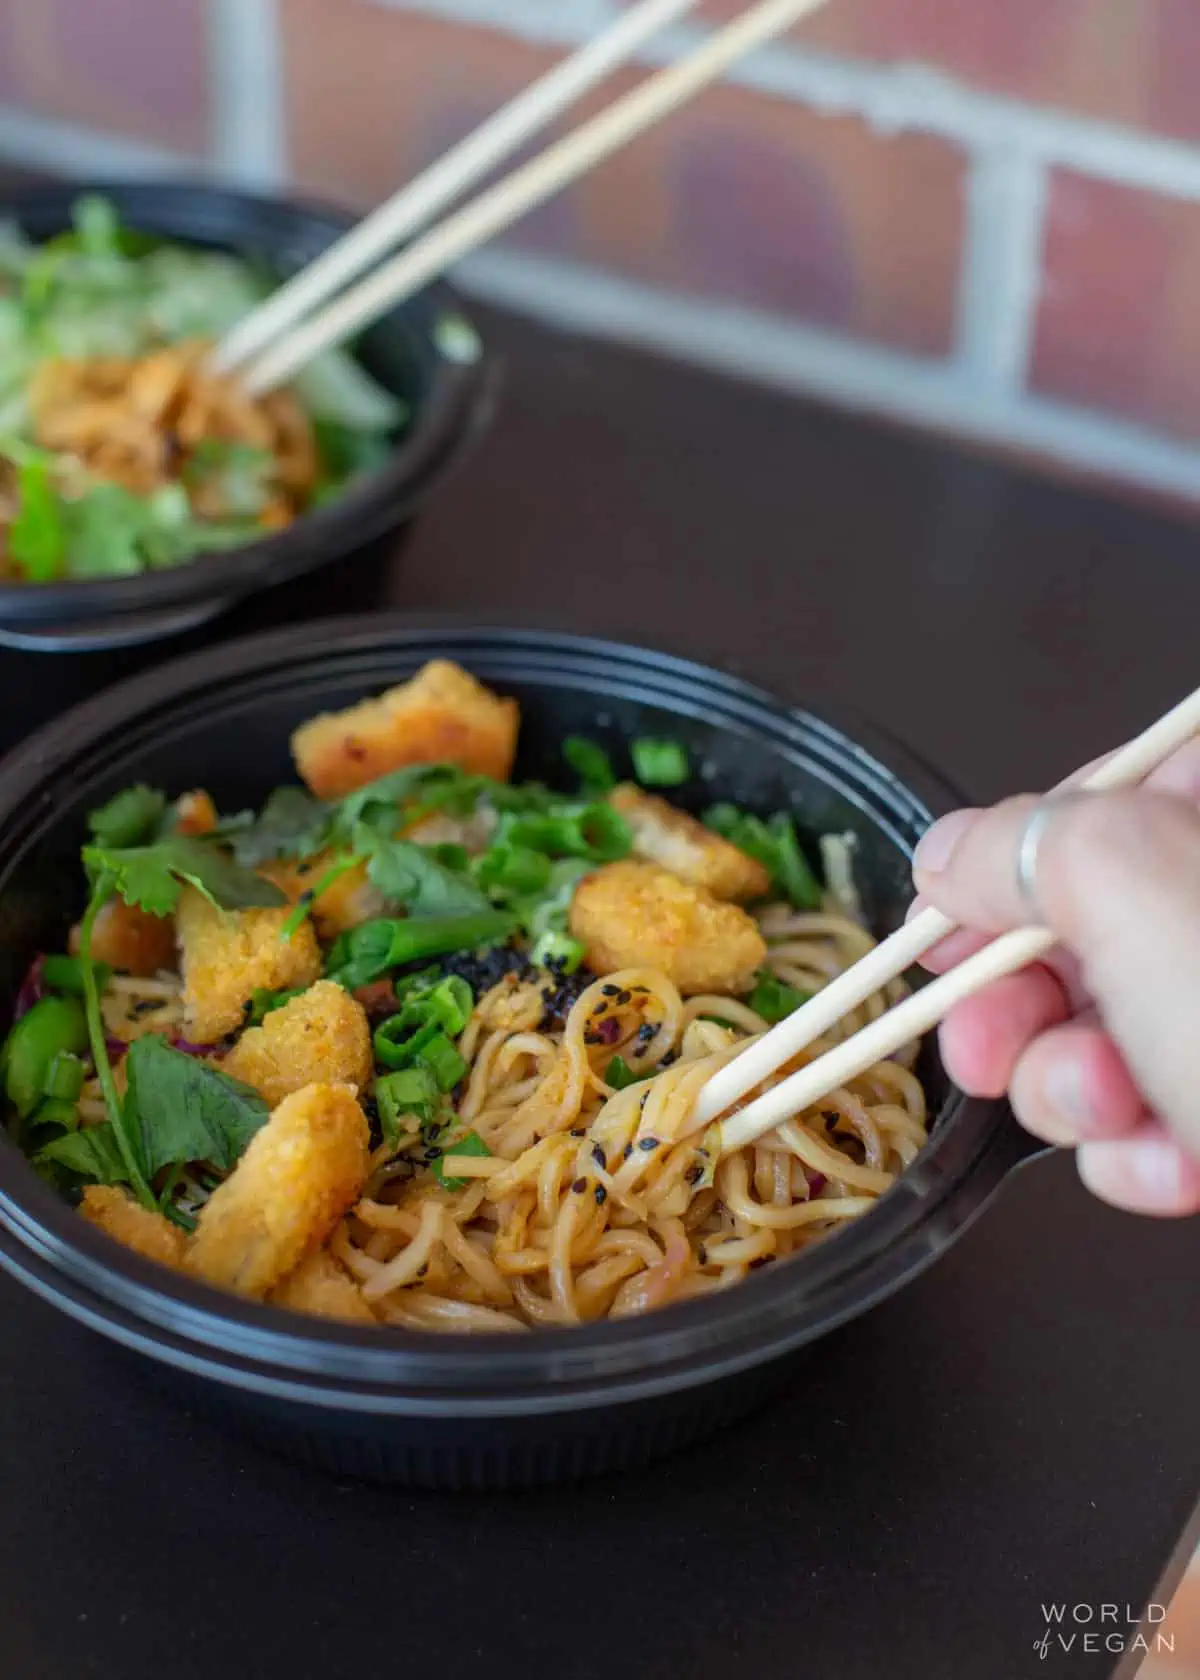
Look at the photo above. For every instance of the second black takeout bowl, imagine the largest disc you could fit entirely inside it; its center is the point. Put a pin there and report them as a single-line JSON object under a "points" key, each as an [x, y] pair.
{"points": [[500, 1410], [428, 352]]}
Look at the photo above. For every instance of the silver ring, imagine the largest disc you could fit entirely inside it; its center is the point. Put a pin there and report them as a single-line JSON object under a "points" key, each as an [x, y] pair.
{"points": [[1032, 835]]}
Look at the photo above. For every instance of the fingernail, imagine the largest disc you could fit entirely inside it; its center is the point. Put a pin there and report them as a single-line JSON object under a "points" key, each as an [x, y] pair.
{"points": [[1064, 1090], [936, 846], [1156, 1165]]}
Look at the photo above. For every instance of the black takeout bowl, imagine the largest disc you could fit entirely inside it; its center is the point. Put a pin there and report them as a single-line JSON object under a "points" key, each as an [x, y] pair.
{"points": [[490, 1410], [428, 352]]}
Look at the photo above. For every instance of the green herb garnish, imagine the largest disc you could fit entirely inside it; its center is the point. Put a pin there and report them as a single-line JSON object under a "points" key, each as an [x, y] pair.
{"points": [[774, 999], [129, 818], [619, 1074], [469, 1144], [773, 844], [152, 877], [590, 763], [659, 763]]}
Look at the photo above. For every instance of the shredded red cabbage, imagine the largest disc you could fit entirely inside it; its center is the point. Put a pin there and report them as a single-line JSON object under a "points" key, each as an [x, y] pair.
{"points": [[816, 1183], [187, 1048], [116, 1047], [32, 990]]}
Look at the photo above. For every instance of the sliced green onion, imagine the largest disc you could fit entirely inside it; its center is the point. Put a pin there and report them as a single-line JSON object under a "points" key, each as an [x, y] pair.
{"points": [[515, 869], [65, 975], [792, 869], [450, 1003], [587, 831], [399, 1040], [367, 952], [619, 1074], [438, 936], [469, 1144], [558, 950], [443, 1061], [774, 845], [54, 1027], [590, 763], [659, 763], [64, 1077], [412, 1092], [774, 999]]}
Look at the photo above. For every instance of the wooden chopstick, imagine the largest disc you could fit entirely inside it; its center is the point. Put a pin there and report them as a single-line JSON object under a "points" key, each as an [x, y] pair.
{"points": [[519, 192], [919, 1013], [460, 168]]}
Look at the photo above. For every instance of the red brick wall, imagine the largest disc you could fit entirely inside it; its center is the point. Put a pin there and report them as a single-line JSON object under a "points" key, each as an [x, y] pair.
{"points": [[838, 182]]}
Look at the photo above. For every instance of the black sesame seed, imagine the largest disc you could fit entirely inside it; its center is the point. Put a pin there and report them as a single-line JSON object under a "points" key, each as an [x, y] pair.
{"points": [[579, 1186], [576, 1131], [627, 1152], [601, 1195], [648, 1143], [422, 1271], [611, 991], [307, 896], [598, 1155], [624, 997], [647, 1031]]}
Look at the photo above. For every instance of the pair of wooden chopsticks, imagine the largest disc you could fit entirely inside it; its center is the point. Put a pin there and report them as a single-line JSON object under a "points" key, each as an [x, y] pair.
{"points": [[306, 316], [917, 1014]]}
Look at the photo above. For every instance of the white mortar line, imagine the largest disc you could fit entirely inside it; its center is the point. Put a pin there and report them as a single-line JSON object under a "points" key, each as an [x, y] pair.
{"points": [[247, 123], [849, 373], [545, 22], [893, 97], [736, 341], [62, 149], [1001, 267]]}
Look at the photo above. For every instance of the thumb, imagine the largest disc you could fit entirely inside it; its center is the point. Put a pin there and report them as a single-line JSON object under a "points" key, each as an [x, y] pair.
{"points": [[1118, 882]]}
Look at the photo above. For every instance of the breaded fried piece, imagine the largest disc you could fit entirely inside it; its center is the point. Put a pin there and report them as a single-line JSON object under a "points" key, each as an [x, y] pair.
{"points": [[195, 813], [322, 1036], [129, 938], [345, 903], [320, 1285], [440, 715], [666, 835], [299, 1174], [226, 954], [117, 1214], [633, 914]]}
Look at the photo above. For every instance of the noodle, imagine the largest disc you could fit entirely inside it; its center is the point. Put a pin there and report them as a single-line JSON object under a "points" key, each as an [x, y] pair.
{"points": [[586, 1206], [499, 1140]]}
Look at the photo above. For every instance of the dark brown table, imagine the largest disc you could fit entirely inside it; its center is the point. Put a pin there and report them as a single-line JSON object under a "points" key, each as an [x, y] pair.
{"points": [[1015, 1428]]}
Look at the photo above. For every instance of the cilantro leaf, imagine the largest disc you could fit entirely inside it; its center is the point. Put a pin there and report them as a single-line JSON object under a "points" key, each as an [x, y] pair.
{"points": [[152, 876], [291, 824], [183, 1110], [92, 1154], [409, 875], [129, 817], [433, 786]]}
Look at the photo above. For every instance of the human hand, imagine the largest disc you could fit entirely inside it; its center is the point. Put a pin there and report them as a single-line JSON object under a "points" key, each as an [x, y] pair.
{"points": [[1098, 1046]]}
